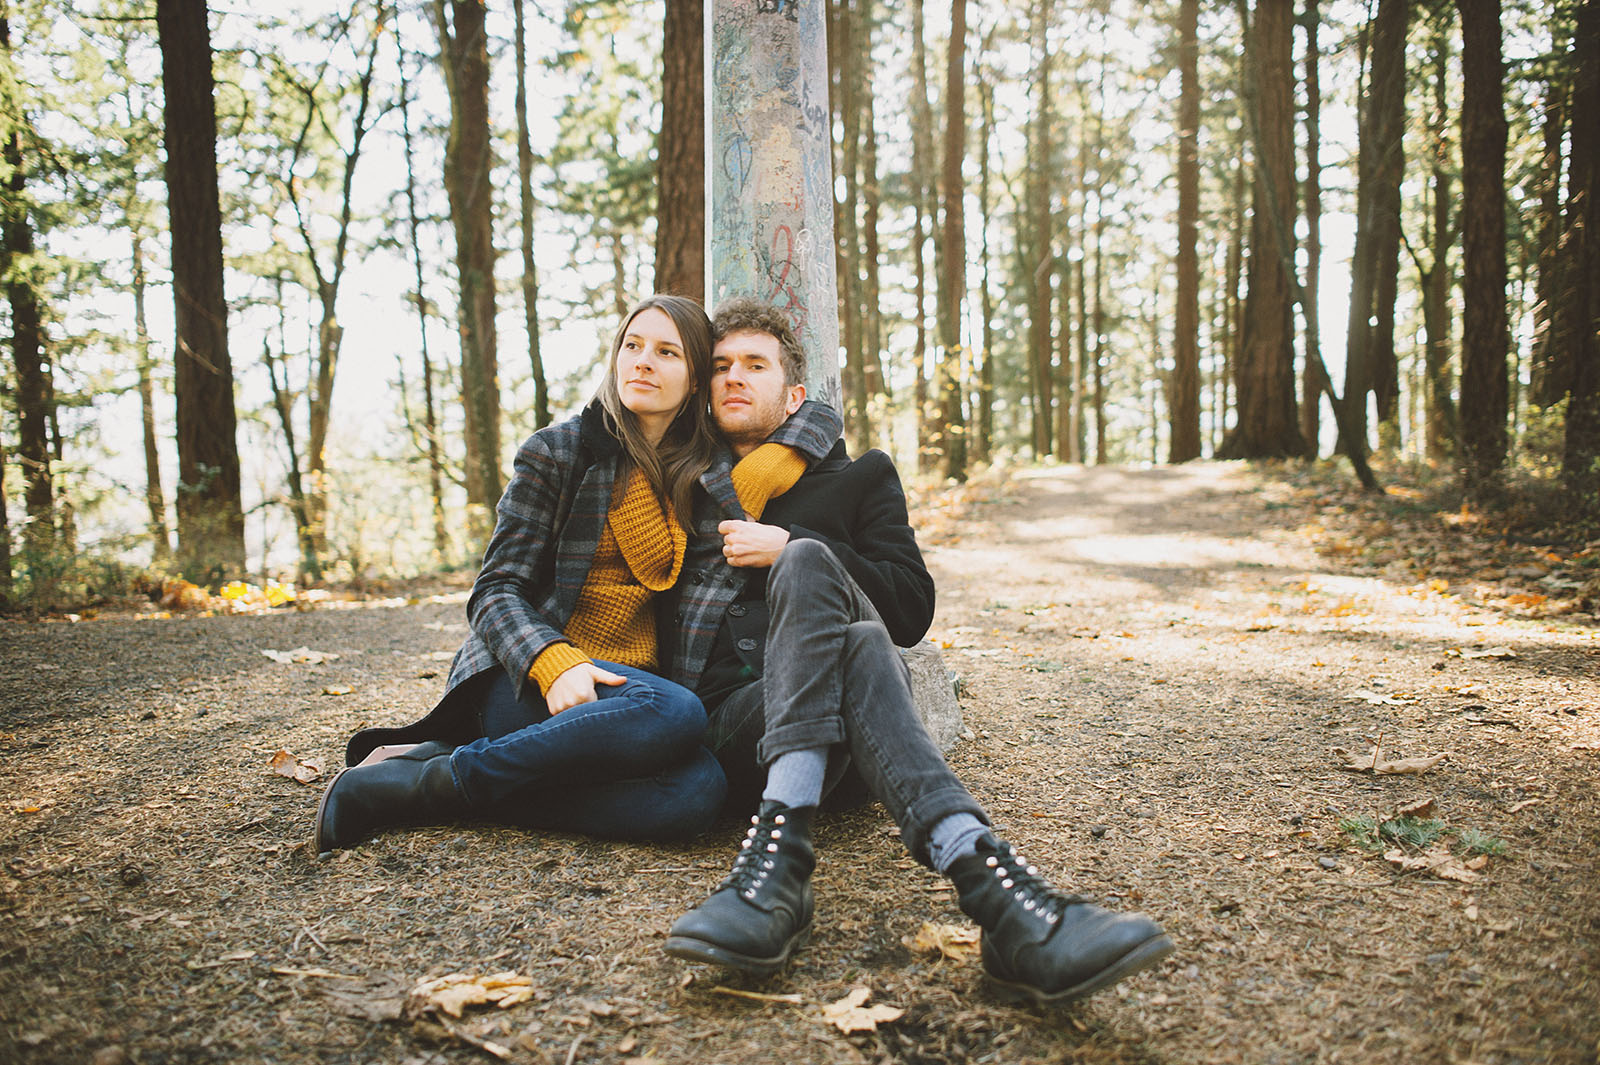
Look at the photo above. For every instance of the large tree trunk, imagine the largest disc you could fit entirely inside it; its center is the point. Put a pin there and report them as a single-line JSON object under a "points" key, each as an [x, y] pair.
{"points": [[871, 243], [27, 348], [1185, 392], [1039, 258], [1485, 335], [530, 273], [846, 63], [210, 515], [680, 154], [953, 267], [1580, 467], [468, 167], [1268, 425]]}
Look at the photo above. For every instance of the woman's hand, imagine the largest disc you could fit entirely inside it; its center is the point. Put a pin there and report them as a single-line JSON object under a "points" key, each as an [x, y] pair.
{"points": [[576, 685]]}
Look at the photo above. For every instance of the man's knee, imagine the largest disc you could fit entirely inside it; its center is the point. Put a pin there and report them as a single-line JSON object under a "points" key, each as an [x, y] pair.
{"points": [[800, 558]]}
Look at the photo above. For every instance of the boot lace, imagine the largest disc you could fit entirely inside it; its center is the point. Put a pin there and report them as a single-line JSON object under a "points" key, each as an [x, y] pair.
{"points": [[757, 855], [1036, 894]]}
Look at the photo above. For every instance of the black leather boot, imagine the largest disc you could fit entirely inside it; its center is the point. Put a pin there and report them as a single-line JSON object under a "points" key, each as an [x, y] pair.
{"points": [[408, 790], [1043, 944], [762, 909]]}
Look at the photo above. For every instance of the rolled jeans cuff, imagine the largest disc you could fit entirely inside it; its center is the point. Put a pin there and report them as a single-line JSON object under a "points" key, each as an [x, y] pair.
{"points": [[926, 811], [800, 736]]}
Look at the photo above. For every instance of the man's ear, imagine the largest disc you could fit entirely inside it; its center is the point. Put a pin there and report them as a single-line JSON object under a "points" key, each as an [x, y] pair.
{"points": [[797, 396]]}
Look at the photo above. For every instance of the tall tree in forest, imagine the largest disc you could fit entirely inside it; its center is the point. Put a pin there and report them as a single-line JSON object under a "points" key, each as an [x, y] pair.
{"points": [[680, 154], [845, 66], [530, 273], [1369, 357], [1437, 277], [871, 214], [922, 163], [328, 276], [5, 536], [464, 53], [953, 268], [1038, 253], [1311, 384], [1268, 425], [1550, 365], [1580, 310], [430, 421], [33, 393], [1485, 331], [154, 498], [210, 514], [983, 400], [1185, 393]]}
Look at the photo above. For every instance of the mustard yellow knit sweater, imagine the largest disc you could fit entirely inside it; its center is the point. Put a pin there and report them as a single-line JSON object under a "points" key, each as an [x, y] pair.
{"points": [[640, 554]]}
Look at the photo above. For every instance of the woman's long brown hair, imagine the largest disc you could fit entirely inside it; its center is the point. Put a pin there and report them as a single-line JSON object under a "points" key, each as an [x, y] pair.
{"points": [[672, 466]]}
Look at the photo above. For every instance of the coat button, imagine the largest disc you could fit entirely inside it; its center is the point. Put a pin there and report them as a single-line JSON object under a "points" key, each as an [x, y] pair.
{"points": [[747, 644], [738, 610]]}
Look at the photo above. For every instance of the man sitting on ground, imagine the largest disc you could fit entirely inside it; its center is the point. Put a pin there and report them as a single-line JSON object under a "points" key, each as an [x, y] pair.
{"points": [[818, 581]]}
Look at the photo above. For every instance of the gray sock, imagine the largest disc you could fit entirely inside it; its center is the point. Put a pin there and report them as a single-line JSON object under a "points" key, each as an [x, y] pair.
{"points": [[795, 779], [952, 838]]}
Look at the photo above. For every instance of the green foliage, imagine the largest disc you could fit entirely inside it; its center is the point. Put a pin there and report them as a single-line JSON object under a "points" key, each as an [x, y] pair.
{"points": [[1362, 831], [1479, 842], [1412, 832]]}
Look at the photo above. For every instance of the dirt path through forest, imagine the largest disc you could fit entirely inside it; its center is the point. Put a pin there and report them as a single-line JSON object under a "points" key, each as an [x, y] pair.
{"points": [[1156, 671]]}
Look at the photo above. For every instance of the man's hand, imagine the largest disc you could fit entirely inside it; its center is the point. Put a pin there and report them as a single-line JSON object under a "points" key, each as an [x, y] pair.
{"points": [[576, 685], [750, 543]]}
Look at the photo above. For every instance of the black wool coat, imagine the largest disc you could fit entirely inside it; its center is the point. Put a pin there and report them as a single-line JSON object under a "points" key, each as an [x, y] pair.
{"points": [[858, 509]]}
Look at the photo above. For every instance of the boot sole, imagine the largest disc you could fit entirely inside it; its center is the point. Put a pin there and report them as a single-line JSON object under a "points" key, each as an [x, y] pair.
{"points": [[317, 843], [1136, 960], [691, 949]]}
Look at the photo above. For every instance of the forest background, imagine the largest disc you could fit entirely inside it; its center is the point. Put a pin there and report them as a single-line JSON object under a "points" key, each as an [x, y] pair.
{"points": [[283, 285]]}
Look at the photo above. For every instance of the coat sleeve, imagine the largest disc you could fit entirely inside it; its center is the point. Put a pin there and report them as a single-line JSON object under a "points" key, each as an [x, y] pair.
{"points": [[882, 555], [508, 608]]}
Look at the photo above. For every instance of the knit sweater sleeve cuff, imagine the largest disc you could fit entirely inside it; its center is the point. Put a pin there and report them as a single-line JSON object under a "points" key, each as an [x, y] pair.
{"points": [[554, 661]]}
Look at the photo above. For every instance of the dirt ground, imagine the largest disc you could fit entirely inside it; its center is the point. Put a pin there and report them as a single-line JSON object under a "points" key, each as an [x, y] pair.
{"points": [[1158, 671]]}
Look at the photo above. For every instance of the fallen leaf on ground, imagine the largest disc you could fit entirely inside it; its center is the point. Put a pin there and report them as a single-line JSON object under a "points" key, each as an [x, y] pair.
{"points": [[851, 1014], [286, 765], [454, 992], [300, 655], [1500, 651], [374, 998], [1435, 860], [1421, 809], [337, 689], [1374, 762], [1378, 699], [952, 941]]}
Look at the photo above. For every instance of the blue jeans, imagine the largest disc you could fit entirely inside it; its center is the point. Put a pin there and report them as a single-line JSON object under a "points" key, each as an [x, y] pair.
{"points": [[629, 765], [835, 679]]}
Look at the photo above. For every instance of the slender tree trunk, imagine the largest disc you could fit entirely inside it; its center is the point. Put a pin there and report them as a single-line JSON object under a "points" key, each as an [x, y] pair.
{"points": [[872, 251], [1389, 102], [922, 162], [1040, 256], [680, 153], [1311, 386], [5, 536], [1080, 372], [155, 499], [953, 267], [468, 168], [441, 536], [304, 525], [1485, 334], [847, 231], [1550, 367], [1440, 418], [1268, 424], [1234, 308], [670, 108], [1580, 466], [1185, 395], [210, 514], [983, 439]]}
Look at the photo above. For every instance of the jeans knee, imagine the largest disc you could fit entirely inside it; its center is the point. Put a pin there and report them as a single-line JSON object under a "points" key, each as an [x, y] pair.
{"points": [[693, 796], [800, 558]]}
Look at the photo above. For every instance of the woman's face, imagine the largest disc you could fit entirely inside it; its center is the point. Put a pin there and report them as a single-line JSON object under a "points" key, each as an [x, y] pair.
{"points": [[653, 377]]}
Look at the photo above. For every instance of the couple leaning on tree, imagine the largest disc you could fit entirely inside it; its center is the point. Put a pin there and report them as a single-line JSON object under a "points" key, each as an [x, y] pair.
{"points": [[775, 610]]}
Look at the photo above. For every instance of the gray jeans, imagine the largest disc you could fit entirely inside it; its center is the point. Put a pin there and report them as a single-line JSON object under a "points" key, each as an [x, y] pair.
{"points": [[834, 679]]}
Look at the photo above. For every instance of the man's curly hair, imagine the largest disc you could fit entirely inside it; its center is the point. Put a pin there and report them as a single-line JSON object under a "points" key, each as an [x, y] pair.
{"points": [[745, 314]]}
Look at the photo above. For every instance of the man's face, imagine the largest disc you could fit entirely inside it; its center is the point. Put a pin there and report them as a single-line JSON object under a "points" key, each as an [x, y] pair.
{"points": [[749, 398]]}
